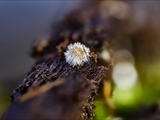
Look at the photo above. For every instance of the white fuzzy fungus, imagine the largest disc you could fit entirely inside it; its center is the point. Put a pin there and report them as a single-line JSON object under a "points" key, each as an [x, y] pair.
{"points": [[77, 54]]}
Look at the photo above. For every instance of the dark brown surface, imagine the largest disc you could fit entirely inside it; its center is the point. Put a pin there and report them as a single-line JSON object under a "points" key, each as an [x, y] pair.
{"points": [[55, 90]]}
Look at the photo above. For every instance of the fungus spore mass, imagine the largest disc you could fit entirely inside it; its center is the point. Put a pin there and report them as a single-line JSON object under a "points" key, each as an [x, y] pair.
{"points": [[77, 54]]}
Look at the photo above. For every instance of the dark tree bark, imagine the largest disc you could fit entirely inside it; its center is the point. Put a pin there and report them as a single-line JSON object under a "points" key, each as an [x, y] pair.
{"points": [[55, 90]]}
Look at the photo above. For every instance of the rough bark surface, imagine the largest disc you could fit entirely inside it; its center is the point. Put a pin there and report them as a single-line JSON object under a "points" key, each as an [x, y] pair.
{"points": [[55, 90]]}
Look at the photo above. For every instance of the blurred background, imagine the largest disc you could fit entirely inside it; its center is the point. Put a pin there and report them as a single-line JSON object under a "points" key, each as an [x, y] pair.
{"points": [[132, 86]]}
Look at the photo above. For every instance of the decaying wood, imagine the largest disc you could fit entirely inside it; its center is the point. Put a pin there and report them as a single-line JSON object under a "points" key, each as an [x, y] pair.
{"points": [[55, 90]]}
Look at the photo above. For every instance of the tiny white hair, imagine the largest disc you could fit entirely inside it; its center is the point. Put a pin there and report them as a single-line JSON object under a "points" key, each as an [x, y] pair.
{"points": [[77, 54]]}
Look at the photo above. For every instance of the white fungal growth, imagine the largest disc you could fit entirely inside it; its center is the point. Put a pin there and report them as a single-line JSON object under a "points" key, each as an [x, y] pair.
{"points": [[77, 54]]}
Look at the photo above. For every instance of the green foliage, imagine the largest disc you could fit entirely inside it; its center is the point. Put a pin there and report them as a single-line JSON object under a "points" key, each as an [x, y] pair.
{"points": [[100, 111]]}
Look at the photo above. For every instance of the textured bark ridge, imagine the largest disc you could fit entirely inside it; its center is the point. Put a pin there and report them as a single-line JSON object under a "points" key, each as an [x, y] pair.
{"points": [[55, 90]]}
